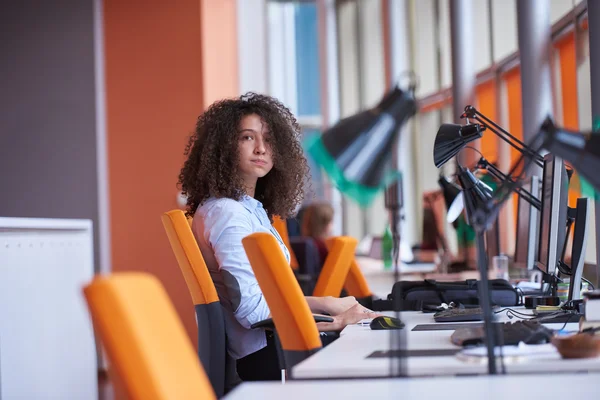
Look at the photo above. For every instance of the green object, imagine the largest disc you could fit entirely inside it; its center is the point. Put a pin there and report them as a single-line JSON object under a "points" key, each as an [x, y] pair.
{"points": [[361, 194], [387, 245], [464, 232]]}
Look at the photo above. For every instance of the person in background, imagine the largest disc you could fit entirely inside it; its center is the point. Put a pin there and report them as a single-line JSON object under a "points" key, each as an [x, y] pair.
{"points": [[245, 165], [317, 223]]}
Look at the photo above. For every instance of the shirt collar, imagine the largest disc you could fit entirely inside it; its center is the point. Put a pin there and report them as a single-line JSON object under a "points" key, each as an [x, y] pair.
{"points": [[250, 203]]}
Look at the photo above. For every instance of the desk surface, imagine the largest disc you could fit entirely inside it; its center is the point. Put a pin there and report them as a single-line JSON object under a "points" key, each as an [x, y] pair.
{"points": [[530, 387], [347, 357]]}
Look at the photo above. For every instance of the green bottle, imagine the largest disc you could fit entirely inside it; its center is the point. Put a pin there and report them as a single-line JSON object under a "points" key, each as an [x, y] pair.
{"points": [[387, 245]]}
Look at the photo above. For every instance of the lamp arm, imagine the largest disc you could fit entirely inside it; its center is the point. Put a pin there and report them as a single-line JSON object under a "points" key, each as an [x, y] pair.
{"points": [[485, 217], [496, 173], [472, 112], [521, 149]]}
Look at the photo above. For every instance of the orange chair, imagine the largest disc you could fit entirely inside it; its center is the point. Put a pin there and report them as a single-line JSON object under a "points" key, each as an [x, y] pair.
{"points": [[337, 264], [294, 322], [145, 341], [212, 348], [281, 228], [356, 285]]}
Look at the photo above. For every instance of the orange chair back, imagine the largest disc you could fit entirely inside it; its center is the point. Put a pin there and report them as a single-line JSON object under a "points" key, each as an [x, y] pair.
{"points": [[356, 285], [281, 228], [337, 264], [212, 348], [190, 260], [290, 312], [145, 341]]}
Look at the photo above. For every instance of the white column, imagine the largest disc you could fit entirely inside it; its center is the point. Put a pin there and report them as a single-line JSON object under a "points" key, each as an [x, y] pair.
{"points": [[372, 81], [282, 54], [535, 37], [407, 163], [330, 99], [463, 60], [252, 45]]}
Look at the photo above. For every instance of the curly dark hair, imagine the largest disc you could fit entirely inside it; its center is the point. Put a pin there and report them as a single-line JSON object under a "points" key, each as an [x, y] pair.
{"points": [[212, 156]]}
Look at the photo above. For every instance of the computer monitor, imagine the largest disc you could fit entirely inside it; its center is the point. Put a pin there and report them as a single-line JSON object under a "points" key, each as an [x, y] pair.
{"points": [[554, 213], [528, 223], [376, 250]]}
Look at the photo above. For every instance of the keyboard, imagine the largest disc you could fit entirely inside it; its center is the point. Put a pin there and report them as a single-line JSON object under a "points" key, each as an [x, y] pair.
{"points": [[512, 333], [459, 315]]}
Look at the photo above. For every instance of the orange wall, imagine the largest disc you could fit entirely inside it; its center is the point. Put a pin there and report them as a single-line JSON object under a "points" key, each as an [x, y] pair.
{"points": [[486, 104], [160, 71], [570, 107], [515, 121], [219, 49]]}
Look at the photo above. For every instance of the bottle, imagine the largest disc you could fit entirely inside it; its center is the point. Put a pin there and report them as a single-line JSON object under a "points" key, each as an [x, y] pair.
{"points": [[387, 245], [500, 265]]}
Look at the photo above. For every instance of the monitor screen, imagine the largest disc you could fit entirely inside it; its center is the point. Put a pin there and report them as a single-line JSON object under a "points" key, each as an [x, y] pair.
{"points": [[554, 213], [526, 243]]}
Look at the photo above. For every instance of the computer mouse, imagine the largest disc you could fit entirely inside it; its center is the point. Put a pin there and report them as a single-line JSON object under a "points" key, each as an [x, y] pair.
{"points": [[384, 322]]}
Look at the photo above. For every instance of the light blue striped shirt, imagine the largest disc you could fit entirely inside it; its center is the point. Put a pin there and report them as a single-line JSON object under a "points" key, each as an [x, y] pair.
{"points": [[219, 226]]}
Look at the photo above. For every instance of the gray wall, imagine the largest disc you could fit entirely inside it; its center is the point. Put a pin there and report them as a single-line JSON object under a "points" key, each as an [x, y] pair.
{"points": [[47, 111]]}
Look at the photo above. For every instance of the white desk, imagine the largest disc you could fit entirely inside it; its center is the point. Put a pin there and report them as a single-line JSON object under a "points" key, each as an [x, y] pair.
{"points": [[530, 387], [347, 356]]}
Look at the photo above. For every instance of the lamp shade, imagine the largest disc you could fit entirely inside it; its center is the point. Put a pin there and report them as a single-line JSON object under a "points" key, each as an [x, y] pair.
{"points": [[476, 193], [453, 197], [581, 151], [356, 152], [452, 138]]}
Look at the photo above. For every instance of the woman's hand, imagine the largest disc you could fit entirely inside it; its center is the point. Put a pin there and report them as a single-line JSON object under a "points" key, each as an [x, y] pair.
{"points": [[348, 317], [336, 306]]}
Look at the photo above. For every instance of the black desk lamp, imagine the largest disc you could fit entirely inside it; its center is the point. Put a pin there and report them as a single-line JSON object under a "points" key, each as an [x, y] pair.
{"points": [[356, 153], [453, 198], [472, 113], [581, 150], [476, 196], [451, 139]]}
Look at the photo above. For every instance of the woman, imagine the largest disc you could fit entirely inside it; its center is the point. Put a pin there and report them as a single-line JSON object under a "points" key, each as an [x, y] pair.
{"points": [[317, 223], [244, 165]]}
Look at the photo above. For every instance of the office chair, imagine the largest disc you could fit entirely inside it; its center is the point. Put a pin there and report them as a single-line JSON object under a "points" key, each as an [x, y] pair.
{"points": [[281, 228], [337, 264], [146, 343], [307, 255], [356, 284], [212, 347], [295, 325]]}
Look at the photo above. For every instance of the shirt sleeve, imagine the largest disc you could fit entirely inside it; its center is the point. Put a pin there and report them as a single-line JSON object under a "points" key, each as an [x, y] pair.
{"points": [[226, 228]]}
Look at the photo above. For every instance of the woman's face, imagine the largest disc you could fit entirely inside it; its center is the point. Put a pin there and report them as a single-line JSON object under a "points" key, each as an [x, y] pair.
{"points": [[254, 149]]}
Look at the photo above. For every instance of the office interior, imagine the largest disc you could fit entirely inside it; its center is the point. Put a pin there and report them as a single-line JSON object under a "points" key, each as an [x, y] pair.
{"points": [[100, 96]]}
